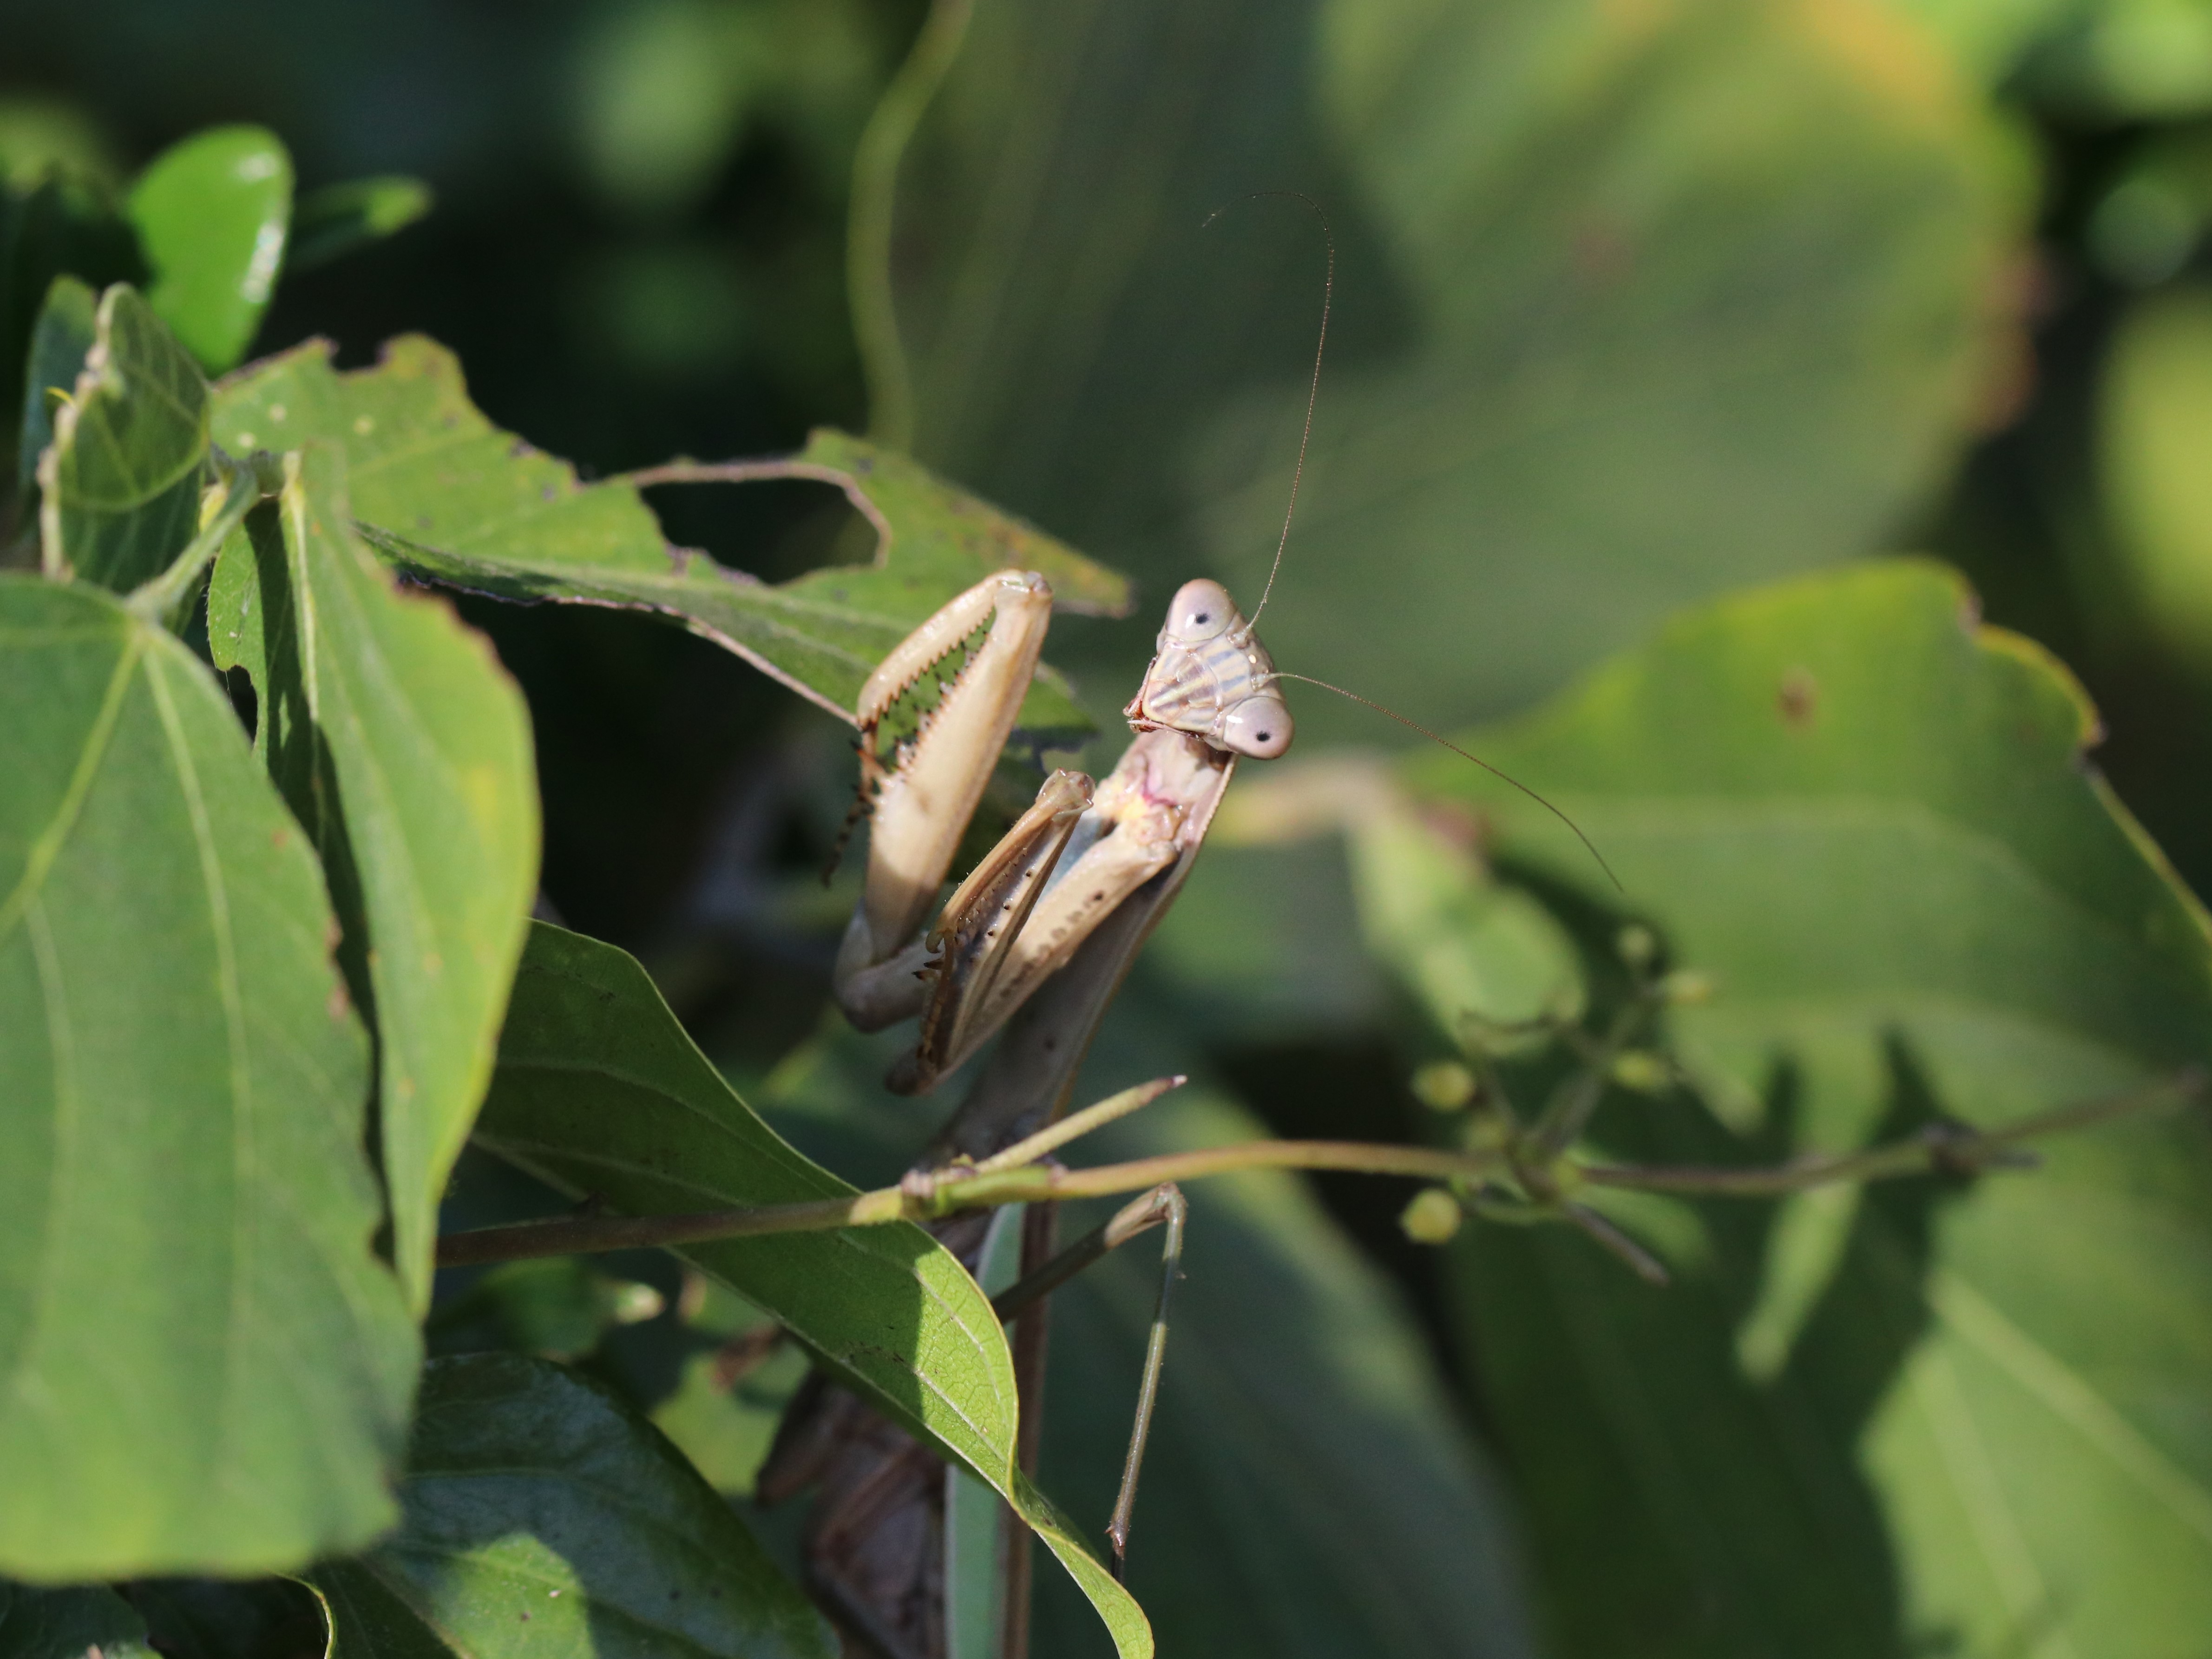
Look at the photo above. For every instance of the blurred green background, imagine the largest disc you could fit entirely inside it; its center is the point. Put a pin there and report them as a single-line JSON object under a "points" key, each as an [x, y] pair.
{"points": [[1637, 302]]}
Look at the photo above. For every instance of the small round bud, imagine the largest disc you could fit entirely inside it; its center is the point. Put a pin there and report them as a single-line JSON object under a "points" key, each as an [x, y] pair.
{"points": [[1686, 987], [1444, 1085], [1637, 945], [1431, 1218], [1643, 1071], [633, 1303]]}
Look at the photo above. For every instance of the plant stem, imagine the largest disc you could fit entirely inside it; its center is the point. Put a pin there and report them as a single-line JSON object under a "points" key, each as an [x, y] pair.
{"points": [[927, 1197], [1937, 1147], [930, 1196]]}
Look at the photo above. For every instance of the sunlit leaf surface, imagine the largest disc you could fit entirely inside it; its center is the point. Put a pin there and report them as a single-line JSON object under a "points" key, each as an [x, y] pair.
{"points": [[202, 1365], [401, 744], [211, 214]]}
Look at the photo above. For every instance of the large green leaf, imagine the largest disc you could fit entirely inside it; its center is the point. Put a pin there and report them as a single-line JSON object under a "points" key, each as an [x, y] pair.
{"points": [[403, 747], [202, 1364], [121, 482], [543, 1514], [1871, 822], [441, 490], [599, 1092], [1865, 815], [1634, 303], [211, 212]]}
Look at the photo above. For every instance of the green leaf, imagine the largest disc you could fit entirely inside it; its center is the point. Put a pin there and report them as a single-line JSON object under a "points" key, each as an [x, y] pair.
{"points": [[544, 1515], [1865, 815], [599, 1090], [441, 491], [2045, 1456], [87, 1621], [203, 1366], [1674, 1509], [403, 747], [61, 226], [1870, 821], [1634, 304], [1309, 1489], [121, 480], [333, 221], [211, 212], [61, 339]]}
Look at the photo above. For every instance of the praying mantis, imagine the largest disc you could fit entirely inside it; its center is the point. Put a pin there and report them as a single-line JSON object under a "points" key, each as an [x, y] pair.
{"points": [[1037, 938]]}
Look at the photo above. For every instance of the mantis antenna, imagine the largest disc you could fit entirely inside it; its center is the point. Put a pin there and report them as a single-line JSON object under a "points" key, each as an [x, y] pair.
{"points": [[1495, 772], [1313, 388], [1297, 475]]}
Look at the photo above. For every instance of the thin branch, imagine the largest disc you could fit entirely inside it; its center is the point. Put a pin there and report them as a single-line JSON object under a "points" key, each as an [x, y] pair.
{"points": [[929, 1196], [1939, 1147]]}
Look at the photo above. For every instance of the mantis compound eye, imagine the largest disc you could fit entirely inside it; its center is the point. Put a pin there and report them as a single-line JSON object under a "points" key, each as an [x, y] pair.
{"points": [[1259, 727], [1201, 611]]}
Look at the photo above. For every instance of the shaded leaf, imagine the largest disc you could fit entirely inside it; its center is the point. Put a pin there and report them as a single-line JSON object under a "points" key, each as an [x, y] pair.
{"points": [[87, 1621], [441, 490], [60, 226], [544, 1514], [1634, 304], [211, 212], [403, 747], [1309, 1489], [2045, 1456], [332, 221], [203, 1366], [599, 1092], [223, 1618], [61, 339], [121, 482]]}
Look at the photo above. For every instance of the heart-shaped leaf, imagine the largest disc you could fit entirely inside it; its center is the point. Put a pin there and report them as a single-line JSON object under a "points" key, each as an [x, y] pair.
{"points": [[541, 1513], [202, 1365], [404, 749], [599, 1092]]}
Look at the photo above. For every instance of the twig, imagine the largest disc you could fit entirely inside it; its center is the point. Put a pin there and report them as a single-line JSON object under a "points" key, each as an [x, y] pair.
{"points": [[1939, 1147]]}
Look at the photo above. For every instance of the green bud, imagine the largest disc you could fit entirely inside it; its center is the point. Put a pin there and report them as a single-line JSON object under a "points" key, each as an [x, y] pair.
{"points": [[1444, 1085], [1687, 987], [1641, 1070], [1637, 945], [1431, 1218]]}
